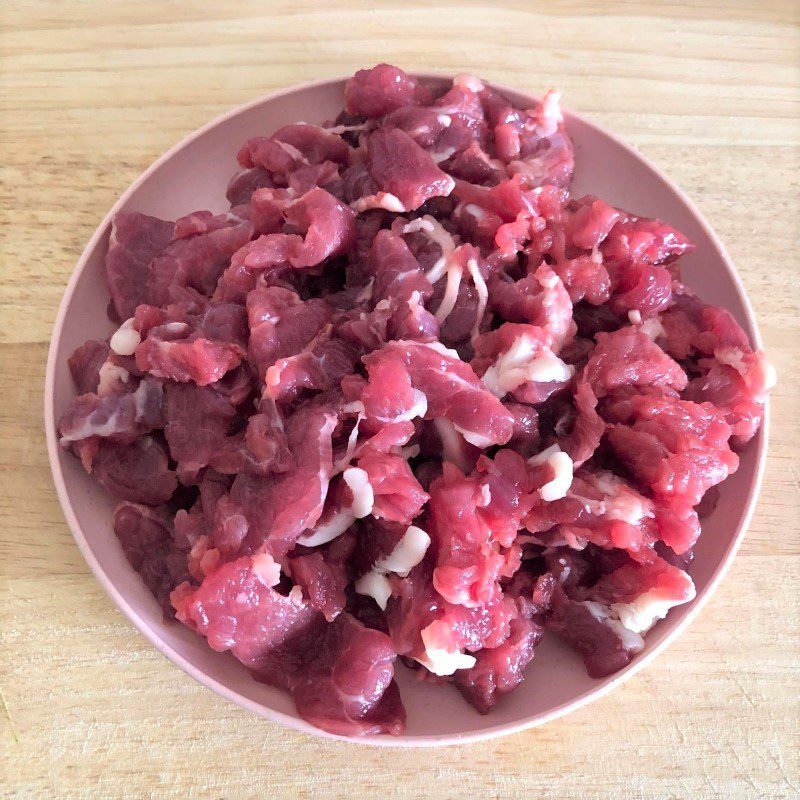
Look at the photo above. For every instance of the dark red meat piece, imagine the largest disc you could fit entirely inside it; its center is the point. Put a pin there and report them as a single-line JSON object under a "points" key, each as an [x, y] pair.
{"points": [[398, 166], [590, 222], [271, 512], [325, 175], [525, 438], [382, 89], [508, 199], [322, 574], [265, 446], [331, 231], [348, 687], [584, 278], [605, 646], [146, 540], [396, 271], [281, 325], [197, 422], [320, 366], [737, 379], [200, 360], [196, 260], [138, 472], [136, 240], [630, 581], [506, 497], [389, 395], [500, 670], [739, 396], [190, 525], [85, 364], [466, 532], [301, 231], [243, 184], [679, 523], [650, 241], [328, 228], [580, 433], [266, 154], [539, 299], [316, 145], [643, 288]]}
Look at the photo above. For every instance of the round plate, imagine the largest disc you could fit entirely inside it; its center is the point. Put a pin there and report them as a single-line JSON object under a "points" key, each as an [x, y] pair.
{"points": [[193, 175]]}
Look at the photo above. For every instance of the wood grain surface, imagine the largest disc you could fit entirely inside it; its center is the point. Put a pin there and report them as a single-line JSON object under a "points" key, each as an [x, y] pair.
{"points": [[92, 92]]}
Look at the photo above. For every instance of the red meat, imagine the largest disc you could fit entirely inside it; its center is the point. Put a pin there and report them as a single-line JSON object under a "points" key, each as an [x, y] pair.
{"points": [[676, 447], [135, 241], [269, 513], [315, 481], [628, 357], [138, 472], [399, 167], [85, 365], [348, 687], [451, 389], [196, 258], [382, 89], [398, 495], [146, 540]]}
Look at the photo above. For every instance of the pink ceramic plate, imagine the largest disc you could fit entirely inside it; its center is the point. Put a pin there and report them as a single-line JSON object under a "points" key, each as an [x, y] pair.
{"points": [[193, 175]]}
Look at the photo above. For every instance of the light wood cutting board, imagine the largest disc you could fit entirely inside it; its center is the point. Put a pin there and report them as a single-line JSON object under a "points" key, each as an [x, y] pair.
{"points": [[92, 92]]}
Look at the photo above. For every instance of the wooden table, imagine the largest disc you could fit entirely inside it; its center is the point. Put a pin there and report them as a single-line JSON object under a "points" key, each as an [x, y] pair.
{"points": [[92, 93]]}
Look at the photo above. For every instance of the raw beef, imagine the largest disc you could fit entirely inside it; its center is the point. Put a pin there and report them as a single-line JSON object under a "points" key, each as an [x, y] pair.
{"points": [[382, 89], [147, 541], [402, 175], [409, 397], [136, 240]]}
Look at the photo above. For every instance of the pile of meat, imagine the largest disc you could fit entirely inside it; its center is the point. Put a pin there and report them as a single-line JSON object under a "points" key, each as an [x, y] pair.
{"points": [[408, 398]]}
